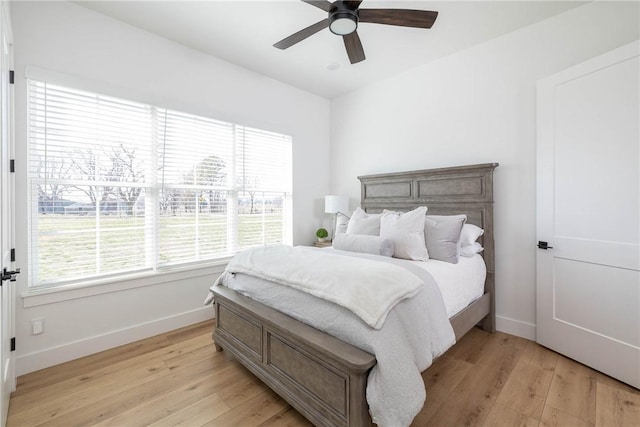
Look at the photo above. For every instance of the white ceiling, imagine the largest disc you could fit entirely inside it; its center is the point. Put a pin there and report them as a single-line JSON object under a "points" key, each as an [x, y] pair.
{"points": [[243, 32]]}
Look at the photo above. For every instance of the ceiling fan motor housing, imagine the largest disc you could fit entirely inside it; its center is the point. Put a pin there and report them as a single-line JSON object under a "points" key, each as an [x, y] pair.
{"points": [[342, 19]]}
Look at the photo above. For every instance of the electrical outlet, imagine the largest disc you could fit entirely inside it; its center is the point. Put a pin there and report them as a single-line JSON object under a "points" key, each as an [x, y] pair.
{"points": [[37, 326]]}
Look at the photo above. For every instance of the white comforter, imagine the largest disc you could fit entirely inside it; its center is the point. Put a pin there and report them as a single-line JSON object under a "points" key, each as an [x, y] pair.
{"points": [[369, 289], [416, 331]]}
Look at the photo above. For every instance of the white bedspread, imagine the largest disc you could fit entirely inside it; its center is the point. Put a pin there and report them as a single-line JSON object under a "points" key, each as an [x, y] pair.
{"points": [[370, 289], [416, 331]]}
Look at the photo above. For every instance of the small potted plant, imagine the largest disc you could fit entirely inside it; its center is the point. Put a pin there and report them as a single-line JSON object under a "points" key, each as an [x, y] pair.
{"points": [[322, 234]]}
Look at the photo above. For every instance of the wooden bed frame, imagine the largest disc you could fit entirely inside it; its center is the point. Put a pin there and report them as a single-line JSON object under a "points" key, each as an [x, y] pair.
{"points": [[322, 377]]}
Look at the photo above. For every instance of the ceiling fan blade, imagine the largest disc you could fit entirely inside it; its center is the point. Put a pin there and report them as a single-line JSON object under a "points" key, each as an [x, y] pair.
{"points": [[322, 4], [352, 4], [302, 34], [401, 17], [354, 47]]}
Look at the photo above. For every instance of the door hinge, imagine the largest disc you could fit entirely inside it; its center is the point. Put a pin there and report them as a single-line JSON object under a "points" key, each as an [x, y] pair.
{"points": [[11, 77], [13, 344], [12, 165], [13, 254]]}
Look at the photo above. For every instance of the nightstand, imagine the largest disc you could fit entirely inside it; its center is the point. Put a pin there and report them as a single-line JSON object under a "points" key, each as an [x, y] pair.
{"points": [[322, 244]]}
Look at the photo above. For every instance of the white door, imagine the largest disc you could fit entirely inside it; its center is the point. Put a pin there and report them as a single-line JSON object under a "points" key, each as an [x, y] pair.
{"points": [[7, 302], [588, 281]]}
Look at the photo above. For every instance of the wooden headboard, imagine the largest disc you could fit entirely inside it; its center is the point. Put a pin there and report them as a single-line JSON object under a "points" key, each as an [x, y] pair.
{"points": [[445, 191]]}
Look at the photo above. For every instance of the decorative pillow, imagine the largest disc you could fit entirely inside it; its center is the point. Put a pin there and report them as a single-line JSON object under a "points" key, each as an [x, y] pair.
{"points": [[364, 223], [469, 234], [363, 243], [406, 230], [441, 234], [470, 250]]}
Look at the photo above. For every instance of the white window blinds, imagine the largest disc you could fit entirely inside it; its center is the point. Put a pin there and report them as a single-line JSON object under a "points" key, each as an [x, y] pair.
{"points": [[261, 202], [120, 187]]}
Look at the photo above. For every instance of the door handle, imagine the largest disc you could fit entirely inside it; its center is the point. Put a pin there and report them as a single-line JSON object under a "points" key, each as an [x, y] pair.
{"points": [[9, 274], [544, 245]]}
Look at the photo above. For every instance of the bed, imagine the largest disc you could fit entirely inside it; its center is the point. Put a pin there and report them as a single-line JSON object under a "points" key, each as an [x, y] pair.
{"points": [[321, 376]]}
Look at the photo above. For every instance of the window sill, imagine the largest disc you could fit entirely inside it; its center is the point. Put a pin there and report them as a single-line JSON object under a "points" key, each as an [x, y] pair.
{"points": [[44, 296]]}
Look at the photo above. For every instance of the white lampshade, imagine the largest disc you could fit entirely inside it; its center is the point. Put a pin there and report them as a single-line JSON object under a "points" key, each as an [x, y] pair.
{"points": [[334, 204]]}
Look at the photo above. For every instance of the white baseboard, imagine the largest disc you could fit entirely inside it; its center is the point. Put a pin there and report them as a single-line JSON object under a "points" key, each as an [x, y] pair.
{"points": [[55, 355], [516, 327]]}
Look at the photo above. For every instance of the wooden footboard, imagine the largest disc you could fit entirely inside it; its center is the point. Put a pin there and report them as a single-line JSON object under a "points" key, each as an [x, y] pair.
{"points": [[322, 377]]}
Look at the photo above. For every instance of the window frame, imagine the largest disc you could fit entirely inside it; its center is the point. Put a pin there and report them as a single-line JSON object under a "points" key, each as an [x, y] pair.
{"points": [[152, 188]]}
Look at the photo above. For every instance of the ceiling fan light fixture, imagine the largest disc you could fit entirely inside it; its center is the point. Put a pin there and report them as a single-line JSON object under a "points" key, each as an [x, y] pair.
{"points": [[343, 23]]}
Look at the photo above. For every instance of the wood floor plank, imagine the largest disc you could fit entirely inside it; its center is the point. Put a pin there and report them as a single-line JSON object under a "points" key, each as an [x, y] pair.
{"points": [[110, 377], [251, 413], [112, 405], [501, 415], [287, 417], [202, 329], [470, 346], [186, 358], [476, 394], [196, 414], [612, 382], [573, 390], [616, 407], [117, 403], [86, 365], [539, 356], [244, 390], [166, 404], [179, 379], [231, 396], [150, 368], [526, 389], [552, 417], [78, 398], [440, 381]]}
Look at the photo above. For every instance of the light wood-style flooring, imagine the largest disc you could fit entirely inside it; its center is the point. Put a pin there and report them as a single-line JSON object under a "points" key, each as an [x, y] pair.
{"points": [[177, 378]]}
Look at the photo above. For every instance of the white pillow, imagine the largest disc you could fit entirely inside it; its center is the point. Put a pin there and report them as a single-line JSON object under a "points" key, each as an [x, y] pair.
{"points": [[364, 223], [470, 250], [469, 234], [442, 234], [406, 230], [365, 244]]}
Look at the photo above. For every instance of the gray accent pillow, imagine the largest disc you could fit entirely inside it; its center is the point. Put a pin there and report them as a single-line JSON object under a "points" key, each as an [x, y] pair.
{"points": [[363, 243], [441, 235]]}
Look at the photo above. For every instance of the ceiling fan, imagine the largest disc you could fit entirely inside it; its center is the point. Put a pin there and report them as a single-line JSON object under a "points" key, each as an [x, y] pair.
{"points": [[343, 20]]}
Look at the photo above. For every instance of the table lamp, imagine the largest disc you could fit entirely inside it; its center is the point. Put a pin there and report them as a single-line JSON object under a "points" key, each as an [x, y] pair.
{"points": [[336, 205]]}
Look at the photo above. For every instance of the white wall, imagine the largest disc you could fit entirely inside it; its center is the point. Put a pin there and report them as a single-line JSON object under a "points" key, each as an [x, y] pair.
{"points": [[477, 106], [72, 40]]}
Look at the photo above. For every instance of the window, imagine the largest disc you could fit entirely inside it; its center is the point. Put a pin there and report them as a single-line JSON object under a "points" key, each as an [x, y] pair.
{"points": [[120, 186]]}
